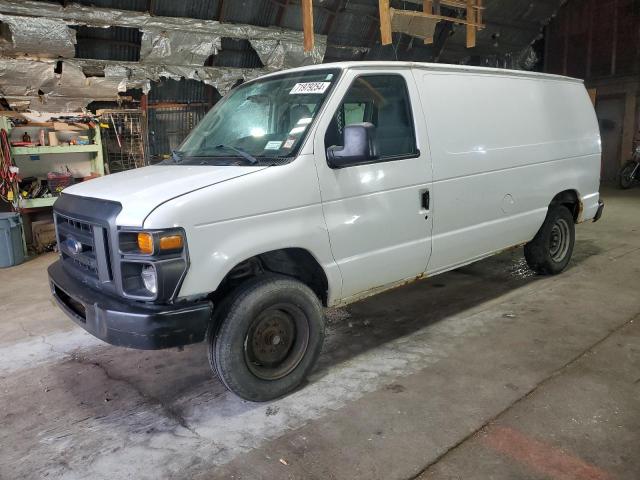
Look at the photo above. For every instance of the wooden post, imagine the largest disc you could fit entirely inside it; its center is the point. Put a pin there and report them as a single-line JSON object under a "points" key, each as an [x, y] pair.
{"points": [[307, 24], [385, 22], [471, 29], [427, 7]]}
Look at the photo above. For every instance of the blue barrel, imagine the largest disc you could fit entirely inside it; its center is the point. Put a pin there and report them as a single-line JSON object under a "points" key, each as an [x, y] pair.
{"points": [[11, 246]]}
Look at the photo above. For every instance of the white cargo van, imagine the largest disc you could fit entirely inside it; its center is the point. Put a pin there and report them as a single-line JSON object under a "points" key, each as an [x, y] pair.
{"points": [[320, 186]]}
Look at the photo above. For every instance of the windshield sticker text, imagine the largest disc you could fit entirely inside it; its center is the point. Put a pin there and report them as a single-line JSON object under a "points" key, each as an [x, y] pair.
{"points": [[309, 87]]}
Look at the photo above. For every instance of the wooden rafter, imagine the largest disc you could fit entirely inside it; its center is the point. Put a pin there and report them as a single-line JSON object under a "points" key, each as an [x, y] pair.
{"points": [[427, 7], [412, 21], [471, 30], [385, 22], [307, 24]]}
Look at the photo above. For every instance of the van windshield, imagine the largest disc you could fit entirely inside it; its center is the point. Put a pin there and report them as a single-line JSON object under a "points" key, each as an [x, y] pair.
{"points": [[261, 123]]}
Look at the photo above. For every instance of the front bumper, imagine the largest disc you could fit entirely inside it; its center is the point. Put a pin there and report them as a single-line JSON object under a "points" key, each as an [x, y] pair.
{"points": [[128, 323]]}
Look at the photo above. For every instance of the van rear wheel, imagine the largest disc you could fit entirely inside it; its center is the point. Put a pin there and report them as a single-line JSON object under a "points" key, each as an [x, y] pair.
{"points": [[269, 336], [550, 250]]}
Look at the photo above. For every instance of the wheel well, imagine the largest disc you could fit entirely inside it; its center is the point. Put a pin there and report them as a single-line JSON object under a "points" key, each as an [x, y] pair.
{"points": [[293, 262], [571, 200]]}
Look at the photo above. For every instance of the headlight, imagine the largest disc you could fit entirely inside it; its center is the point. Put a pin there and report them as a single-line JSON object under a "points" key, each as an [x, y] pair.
{"points": [[156, 243], [149, 278], [166, 242], [153, 263]]}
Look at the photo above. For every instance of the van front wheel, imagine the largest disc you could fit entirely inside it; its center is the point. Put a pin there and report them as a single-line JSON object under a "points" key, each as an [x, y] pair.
{"points": [[550, 250], [269, 337]]}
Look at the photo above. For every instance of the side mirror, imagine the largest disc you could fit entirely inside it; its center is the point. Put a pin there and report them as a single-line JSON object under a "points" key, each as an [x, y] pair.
{"points": [[359, 146]]}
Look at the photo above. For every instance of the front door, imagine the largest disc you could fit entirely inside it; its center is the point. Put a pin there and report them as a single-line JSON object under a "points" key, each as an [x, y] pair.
{"points": [[378, 213]]}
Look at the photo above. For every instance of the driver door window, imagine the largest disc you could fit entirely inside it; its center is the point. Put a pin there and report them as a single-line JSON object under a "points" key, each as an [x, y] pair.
{"points": [[383, 101]]}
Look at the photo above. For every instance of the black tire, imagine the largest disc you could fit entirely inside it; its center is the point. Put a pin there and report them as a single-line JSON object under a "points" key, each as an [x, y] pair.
{"points": [[269, 335], [550, 250], [625, 177]]}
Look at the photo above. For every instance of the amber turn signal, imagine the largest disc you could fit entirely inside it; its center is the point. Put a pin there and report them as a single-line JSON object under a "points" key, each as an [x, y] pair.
{"points": [[171, 242], [145, 243]]}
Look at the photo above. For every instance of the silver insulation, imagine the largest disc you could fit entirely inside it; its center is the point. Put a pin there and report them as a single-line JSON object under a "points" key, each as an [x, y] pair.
{"points": [[281, 54], [172, 48], [33, 84], [177, 48], [286, 47], [44, 37]]}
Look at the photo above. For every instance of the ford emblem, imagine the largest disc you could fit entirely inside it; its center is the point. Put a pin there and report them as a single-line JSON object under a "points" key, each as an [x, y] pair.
{"points": [[73, 246]]}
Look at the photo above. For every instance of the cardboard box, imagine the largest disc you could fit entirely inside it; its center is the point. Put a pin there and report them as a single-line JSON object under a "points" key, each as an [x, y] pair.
{"points": [[53, 139], [70, 127], [43, 235]]}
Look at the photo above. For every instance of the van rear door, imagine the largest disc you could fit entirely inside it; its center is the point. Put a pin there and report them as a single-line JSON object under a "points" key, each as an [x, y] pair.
{"points": [[377, 213]]}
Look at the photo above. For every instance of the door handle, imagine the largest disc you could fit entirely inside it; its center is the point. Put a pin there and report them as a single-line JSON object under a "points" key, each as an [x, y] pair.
{"points": [[425, 199]]}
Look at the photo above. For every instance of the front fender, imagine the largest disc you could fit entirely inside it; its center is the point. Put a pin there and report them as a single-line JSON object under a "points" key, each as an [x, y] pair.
{"points": [[230, 222]]}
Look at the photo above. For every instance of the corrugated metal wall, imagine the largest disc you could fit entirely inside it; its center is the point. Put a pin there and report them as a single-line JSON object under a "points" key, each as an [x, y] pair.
{"points": [[114, 43], [595, 39], [174, 108]]}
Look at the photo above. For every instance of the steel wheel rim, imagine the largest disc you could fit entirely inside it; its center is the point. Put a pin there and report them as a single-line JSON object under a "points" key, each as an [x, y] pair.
{"points": [[276, 341], [560, 238]]}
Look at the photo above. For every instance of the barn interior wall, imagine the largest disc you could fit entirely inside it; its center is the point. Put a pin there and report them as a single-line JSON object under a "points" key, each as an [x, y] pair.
{"points": [[599, 41]]}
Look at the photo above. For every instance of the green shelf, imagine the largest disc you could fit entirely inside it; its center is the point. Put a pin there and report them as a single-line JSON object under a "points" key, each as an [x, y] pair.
{"points": [[57, 149], [37, 202]]}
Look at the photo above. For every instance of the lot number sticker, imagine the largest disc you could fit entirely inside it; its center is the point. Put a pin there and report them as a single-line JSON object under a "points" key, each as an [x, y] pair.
{"points": [[273, 145], [309, 87]]}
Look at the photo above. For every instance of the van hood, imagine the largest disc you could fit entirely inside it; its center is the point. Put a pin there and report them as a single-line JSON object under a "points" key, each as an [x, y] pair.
{"points": [[141, 190]]}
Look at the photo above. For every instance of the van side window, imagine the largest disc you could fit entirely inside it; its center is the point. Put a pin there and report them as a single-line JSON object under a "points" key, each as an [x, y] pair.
{"points": [[382, 100]]}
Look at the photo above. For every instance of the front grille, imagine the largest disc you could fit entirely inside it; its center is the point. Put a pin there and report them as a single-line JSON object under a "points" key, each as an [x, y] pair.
{"points": [[83, 245]]}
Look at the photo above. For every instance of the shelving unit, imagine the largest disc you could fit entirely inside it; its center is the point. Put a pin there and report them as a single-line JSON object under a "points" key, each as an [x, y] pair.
{"points": [[57, 149], [25, 154]]}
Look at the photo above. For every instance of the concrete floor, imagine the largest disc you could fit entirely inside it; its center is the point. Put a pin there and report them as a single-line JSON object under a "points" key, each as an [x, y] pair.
{"points": [[484, 372]]}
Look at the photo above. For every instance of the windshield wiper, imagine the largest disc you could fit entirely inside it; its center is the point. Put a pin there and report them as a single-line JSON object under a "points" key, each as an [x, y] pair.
{"points": [[247, 156]]}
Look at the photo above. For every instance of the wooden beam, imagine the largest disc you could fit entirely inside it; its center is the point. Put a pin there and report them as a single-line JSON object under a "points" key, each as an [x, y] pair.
{"points": [[307, 24], [471, 30], [459, 4], [411, 13], [220, 12], [427, 7], [385, 22]]}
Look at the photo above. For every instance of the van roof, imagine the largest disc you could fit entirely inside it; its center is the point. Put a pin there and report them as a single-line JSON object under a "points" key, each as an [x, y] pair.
{"points": [[435, 67]]}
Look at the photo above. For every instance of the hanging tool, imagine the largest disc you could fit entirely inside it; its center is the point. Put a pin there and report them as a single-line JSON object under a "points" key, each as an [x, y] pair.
{"points": [[9, 188], [115, 129]]}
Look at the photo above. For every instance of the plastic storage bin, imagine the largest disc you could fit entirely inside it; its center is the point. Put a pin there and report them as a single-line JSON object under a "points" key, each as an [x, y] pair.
{"points": [[11, 246]]}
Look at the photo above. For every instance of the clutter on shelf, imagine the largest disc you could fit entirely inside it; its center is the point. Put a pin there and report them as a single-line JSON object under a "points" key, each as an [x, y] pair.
{"points": [[41, 158], [57, 131]]}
